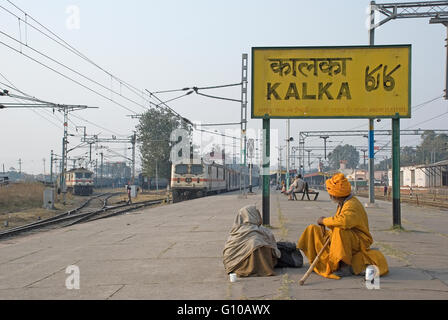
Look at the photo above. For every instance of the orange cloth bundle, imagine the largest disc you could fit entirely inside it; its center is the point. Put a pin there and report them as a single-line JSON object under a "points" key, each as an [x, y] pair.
{"points": [[338, 186]]}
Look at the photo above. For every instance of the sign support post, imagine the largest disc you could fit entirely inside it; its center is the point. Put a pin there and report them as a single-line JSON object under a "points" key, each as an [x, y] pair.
{"points": [[371, 164], [396, 206], [265, 173]]}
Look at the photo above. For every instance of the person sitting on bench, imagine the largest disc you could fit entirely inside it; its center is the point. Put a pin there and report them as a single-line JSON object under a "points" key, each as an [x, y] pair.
{"points": [[297, 186]]}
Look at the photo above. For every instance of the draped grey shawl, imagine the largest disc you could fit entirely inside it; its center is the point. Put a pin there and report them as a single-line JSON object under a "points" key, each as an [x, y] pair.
{"points": [[246, 235]]}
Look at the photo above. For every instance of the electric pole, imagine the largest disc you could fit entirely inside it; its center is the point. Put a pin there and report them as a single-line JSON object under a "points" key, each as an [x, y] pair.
{"points": [[364, 156], [244, 65], [325, 145], [51, 167], [309, 162], [133, 140], [101, 170], [157, 178]]}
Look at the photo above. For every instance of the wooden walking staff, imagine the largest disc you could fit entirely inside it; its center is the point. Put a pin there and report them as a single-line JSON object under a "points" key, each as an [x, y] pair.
{"points": [[311, 268]]}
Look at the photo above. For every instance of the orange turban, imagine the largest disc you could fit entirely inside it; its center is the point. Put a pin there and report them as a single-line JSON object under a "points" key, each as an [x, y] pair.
{"points": [[338, 186]]}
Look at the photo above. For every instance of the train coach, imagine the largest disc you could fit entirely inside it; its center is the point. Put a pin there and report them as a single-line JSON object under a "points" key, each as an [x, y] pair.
{"points": [[191, 180]]}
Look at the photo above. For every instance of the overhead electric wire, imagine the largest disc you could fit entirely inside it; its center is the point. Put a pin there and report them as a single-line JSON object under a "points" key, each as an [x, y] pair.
{"points": [[175, 90], [74, 71], [31, 98], [217, 133], [118, 154], [76, 52], [63, 44], [219, 124], [167, 106], [48, 120], [217, 87], [414, 125], [201, 88], [419, 106], [181, 96], [40, 115], [81, 55], [216, 97], [416, 107], [67, 77], [97, 125], [12, 86]]}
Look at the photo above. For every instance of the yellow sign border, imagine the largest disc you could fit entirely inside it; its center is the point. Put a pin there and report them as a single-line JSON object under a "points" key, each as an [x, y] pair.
{"points": [[408, 115]]}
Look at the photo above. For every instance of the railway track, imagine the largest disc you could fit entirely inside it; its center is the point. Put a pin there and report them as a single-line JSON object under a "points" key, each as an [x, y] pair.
{"points": [[417, 200], [94, 208]]}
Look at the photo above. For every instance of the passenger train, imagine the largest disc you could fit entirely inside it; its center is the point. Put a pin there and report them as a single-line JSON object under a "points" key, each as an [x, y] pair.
{"points": [[191, 180], [78, 181]]}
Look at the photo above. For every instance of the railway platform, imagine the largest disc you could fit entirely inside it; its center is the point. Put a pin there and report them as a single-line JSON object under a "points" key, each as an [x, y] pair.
{"points": [[175, 252]]}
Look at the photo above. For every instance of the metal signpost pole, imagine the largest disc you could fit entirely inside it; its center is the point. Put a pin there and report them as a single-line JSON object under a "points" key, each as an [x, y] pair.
{"points": [[265, 172], [396, 207], [287, 153]]}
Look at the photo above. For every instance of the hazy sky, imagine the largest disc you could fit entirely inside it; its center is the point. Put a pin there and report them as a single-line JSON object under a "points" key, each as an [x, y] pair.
{"points": [[162, 45]]}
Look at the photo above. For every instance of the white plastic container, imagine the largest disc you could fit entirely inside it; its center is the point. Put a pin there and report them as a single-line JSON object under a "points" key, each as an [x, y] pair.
{"points": [[372, 277]]}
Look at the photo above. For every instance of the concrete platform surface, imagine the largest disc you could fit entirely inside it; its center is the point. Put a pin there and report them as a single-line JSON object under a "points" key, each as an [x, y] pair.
{"points": [[175, 252]]}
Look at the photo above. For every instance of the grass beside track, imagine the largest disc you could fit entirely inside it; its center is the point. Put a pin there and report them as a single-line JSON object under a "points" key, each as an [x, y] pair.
{"points": [[19, 196], [21, 203]]}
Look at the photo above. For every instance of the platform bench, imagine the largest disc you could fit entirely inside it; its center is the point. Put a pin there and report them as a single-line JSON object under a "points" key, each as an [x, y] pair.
{"points": [[307, 192]]}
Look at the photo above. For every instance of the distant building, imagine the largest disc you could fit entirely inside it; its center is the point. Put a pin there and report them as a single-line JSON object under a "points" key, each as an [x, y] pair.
{"points": [[424, 176], [358, 174], [410, 176]]}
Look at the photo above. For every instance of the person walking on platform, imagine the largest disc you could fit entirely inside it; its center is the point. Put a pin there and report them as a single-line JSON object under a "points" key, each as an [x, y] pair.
{"points": [[348, 251]]}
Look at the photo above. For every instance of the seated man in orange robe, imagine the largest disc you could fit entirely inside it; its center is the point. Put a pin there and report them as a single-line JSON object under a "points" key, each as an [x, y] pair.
{"points": [[348, 252]]}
